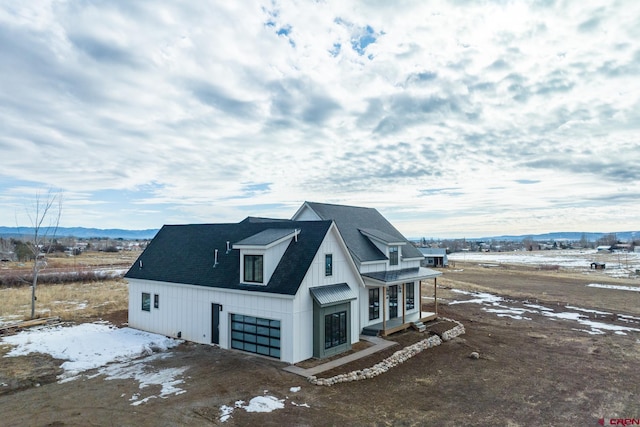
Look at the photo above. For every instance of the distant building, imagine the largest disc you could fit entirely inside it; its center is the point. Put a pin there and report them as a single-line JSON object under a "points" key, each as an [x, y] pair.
{"points": [[621, 247], [434, 257], [8, 256], [605, 248]]}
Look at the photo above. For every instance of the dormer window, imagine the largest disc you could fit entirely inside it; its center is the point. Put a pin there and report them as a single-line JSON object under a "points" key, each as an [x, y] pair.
{"points": [[253, 268], [261, 253], [393, 255]]}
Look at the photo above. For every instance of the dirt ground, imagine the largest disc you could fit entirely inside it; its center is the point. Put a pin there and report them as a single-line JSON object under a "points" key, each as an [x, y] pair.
{"points": [[535, 372]]}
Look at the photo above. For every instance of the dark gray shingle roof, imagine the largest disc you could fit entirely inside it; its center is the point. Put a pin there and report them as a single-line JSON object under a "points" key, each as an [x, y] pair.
{"points": [[266, 237], [185, 254], [351, 219]]}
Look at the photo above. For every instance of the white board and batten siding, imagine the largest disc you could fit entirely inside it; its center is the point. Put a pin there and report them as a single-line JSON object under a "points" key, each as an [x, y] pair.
{"points": [[364, 304], [343, 272], [187, 309]]}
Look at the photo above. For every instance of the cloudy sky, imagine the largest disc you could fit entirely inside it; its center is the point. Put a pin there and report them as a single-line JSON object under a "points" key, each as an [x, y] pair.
{"points": [[457, 118]]}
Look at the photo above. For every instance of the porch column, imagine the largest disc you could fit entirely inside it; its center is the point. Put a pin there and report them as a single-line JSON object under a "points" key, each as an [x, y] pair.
{"points": [[384, 309], [435, 293], [404, 299], [420, 298]]}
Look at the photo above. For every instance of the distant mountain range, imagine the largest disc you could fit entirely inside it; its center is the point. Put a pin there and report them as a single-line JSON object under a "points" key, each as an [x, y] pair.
{"points": [[83, 233], [572, 235], [117, 233]]}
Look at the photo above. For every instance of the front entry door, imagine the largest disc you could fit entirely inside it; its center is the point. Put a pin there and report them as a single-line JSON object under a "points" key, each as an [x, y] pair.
{"points": [[215, 323], [393, 301]]}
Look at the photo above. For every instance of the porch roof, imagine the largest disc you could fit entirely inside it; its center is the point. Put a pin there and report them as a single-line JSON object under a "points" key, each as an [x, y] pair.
{"points": [[332, 294], [393, 277]]}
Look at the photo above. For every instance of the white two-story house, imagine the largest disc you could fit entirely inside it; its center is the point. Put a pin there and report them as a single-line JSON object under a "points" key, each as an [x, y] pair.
{"points": [[287, 289]]}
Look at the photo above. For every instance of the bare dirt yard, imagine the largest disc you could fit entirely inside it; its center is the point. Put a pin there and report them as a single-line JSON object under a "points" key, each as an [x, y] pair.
{"points": [[553, 351]]}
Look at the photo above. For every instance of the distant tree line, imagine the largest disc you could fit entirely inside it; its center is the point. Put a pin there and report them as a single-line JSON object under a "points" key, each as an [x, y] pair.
{"points": [[13, 249], [526, 244]]}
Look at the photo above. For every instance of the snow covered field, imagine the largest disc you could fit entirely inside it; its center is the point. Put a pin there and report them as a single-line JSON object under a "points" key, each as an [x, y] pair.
{"points": [[617, 264]]}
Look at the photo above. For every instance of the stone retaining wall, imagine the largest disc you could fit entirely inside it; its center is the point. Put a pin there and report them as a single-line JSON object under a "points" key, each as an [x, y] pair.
{"points": [[395, 359]]}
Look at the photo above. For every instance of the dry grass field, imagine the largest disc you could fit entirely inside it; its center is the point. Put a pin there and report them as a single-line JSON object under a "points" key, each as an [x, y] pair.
{"points": [[532, 370], [69, 301], [87, 259]]}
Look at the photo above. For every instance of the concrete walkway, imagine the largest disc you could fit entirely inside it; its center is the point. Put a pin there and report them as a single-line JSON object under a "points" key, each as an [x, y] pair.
{"points": [[378, 345]]}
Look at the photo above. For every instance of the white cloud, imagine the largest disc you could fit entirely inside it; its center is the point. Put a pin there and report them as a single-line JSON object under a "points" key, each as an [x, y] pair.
{"points": [[180, 108]]}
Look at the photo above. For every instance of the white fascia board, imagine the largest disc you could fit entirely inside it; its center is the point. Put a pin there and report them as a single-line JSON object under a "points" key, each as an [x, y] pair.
{"points": [[377, 239], [375, 282], [304, 206], [382, 262]]}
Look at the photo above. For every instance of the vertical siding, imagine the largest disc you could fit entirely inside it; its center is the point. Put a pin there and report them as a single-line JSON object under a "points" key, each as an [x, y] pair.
{"points": [[303, 302], [370, 268], [187, 309]]}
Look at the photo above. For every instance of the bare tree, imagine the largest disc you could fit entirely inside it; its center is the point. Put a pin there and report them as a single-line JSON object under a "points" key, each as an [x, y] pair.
{"points": [[45, 218]]}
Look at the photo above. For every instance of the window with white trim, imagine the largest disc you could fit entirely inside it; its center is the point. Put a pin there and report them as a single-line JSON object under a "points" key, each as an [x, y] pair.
{"points": [[410, 300], [146, 301], [393, 255], [374, 303]]}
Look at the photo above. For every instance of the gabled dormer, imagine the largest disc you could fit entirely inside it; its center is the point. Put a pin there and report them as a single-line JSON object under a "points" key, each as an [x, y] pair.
{"points": [[387, 244], [261, 253]]}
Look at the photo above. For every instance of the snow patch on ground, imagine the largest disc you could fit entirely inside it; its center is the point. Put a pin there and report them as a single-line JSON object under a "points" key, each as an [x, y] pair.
{"points": [[169, 379], [571, 307], [9, 319], [104, 347], [264, 403], [504, 308], [478, 298], [88, 345], [538, 307], [616, 287]]}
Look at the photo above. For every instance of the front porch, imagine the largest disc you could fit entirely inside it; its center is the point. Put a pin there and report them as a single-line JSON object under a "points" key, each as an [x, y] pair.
{"points": [[398, 324], [396, 301]]}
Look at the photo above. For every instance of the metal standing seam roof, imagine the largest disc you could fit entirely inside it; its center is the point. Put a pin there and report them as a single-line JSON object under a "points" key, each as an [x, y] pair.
{"points": [[332, 294], [403, 275]]}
